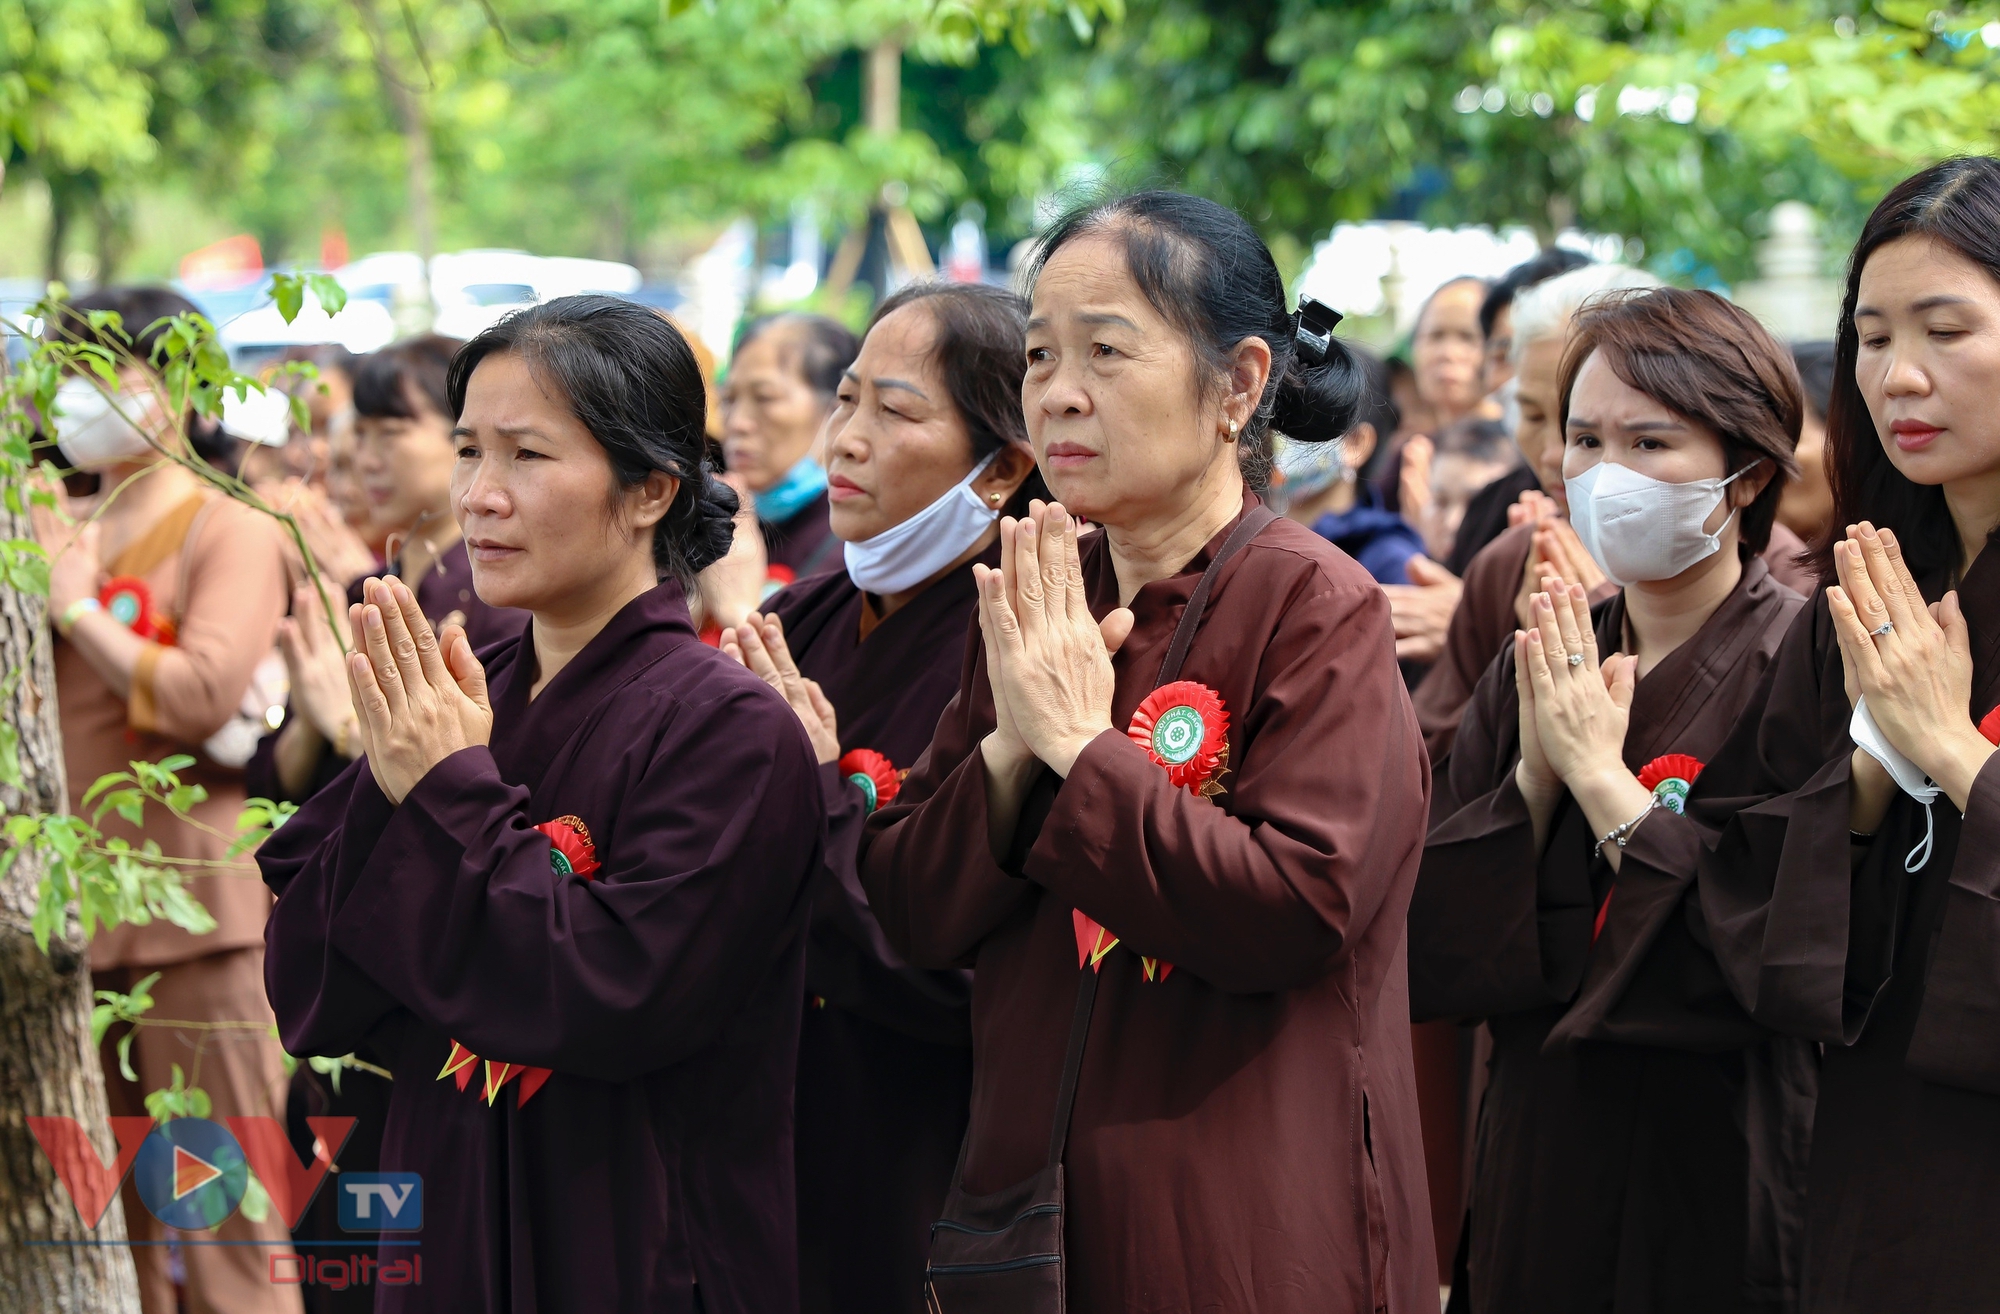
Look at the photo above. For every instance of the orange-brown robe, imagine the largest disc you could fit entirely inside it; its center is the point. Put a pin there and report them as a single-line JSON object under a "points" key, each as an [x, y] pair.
{"points": [[1245, 1130]]}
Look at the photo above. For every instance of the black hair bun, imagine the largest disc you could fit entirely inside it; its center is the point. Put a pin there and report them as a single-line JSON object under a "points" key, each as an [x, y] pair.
{"points": [[712, 522], [1318, 403]]}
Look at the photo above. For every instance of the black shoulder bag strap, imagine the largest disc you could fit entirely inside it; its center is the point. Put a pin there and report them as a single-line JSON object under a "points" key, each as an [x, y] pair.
{"points": [[1247, 528]]}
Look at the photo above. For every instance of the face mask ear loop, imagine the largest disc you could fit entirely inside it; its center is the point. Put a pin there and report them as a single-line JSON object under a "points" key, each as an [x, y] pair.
{"points": [[1921, 855]]}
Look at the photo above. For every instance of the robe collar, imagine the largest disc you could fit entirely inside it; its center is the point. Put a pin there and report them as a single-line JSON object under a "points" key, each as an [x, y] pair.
{"points": [[1671, 697], [1157, 607], [528, 736], [1979, 597], [843, 613]]}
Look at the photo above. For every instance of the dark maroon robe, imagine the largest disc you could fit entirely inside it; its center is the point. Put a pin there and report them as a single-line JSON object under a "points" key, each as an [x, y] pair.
{"points": [[885, 1053], [1245, 1130], [1612, 1168], [803, 543], [444, 593], [664, 992], [1897, 975]]}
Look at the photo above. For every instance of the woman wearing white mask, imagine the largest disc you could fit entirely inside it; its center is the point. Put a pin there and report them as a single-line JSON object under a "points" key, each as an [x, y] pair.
{"points": [[926, 446], [164, 601], [1633, 1140]]}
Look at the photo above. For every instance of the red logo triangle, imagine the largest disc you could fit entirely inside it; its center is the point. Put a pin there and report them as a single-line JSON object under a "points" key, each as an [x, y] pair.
{"points": [[191, 1172]]}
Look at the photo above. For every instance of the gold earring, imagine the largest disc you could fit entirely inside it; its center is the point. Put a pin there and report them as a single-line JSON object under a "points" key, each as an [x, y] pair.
{"points": [[1232, 431], [995, 497]]}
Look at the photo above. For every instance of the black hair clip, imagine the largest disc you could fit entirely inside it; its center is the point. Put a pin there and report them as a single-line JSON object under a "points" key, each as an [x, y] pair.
{"points": [[1317, 321]]}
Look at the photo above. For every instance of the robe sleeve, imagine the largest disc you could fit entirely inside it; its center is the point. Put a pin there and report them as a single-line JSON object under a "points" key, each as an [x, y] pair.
{"points": [[1492, 930], [324, 1003], [1327, 786], [1478, 630], [1957, 1038], [449, 904], [925, 862], [1803, 921], [1650, 975]]}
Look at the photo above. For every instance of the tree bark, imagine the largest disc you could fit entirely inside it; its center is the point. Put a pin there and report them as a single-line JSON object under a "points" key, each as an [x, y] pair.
{"points": [[48, 1067]]}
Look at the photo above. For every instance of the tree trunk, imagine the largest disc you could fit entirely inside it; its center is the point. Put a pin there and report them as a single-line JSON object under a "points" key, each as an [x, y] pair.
{"points": [[61, 209], [413, 118], [48, 1067]]}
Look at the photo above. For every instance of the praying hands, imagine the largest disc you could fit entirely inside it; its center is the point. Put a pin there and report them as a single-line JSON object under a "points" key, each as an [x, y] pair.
{"points": [[420, 698]]}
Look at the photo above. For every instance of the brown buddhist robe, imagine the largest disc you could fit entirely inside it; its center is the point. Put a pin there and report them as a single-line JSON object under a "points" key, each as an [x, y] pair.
{"points": [[885, 1051], [651, 1168], [1245, 1129], [1612, 1168], [1896, 974]]}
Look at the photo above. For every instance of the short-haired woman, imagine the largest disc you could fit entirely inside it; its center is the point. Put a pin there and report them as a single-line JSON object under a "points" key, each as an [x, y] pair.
{"points": [[1171, 821], [783, 377], [563, 894], [925, 449], [1625, 1126], [1852, 905]]}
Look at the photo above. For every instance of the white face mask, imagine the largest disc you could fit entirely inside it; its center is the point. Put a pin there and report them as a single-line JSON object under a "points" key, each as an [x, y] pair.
{"points": [[1641, 528], [904, 556], [91, 432]]}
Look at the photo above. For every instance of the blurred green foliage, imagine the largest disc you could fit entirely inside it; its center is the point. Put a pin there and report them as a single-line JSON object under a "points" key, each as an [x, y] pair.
{"points": [[611, 126]]}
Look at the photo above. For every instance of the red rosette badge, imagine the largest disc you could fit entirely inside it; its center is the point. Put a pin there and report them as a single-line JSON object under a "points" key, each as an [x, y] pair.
{"points": [[873, 774], [1989, 726], [127, 600], [1670, 777], [571, 852], [1184, 727]]}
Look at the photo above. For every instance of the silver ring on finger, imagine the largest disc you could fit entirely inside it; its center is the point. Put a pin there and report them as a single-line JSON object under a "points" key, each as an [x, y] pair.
{"points": [[1886, 627], [1576, 659]]}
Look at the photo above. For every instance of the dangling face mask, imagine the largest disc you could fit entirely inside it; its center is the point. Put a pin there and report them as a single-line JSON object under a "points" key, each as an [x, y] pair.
{"points": [[92, 430], [1641, 528], [904, 556]]}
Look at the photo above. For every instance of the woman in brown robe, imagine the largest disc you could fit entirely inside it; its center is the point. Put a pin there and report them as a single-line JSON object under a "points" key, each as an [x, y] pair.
{"points": [[1843, 909], [925, 447], [563, 894], [1622, 1116], [404, 456], [1244, 1133]]}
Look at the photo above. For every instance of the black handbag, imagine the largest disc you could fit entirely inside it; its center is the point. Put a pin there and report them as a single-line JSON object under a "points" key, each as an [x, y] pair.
{"points": [[1003, 1253]]}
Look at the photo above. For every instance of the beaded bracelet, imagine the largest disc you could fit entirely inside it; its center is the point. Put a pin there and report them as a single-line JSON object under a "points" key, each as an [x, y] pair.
{"points": [[1620, 833]]}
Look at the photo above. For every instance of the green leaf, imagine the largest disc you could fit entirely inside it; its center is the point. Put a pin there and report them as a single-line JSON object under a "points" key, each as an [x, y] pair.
{"points": [[256, 1202], [125, 1063], [10, 755], [178, 762], [326, 289], [289, 292]]}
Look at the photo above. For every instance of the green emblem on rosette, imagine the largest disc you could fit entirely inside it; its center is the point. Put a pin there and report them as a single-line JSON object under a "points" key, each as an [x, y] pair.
{"points": [[863, 783], [1178, 734]]}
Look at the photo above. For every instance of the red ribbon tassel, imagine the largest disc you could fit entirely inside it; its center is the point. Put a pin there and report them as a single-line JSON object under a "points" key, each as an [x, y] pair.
{"points": [[1094, 941]]}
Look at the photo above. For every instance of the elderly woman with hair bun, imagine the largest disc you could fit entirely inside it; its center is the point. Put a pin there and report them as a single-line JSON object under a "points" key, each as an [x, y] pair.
{"points": [[1640, 1138], [579, 956], [1171, 820]]}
